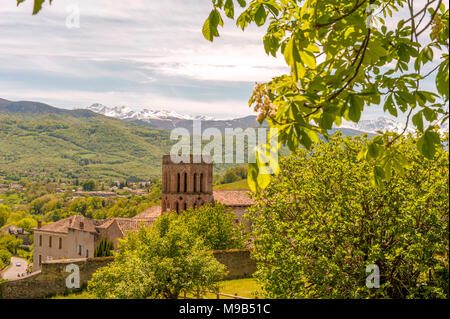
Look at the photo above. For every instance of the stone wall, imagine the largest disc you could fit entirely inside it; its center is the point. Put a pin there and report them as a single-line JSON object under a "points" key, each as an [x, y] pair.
{"points": [[238, 262], [51, 279]]}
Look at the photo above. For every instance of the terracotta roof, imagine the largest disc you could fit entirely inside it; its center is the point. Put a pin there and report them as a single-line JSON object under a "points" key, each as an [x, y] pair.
{"points": [[150, 213], [237, 197], [73, 222], [128, 224]]}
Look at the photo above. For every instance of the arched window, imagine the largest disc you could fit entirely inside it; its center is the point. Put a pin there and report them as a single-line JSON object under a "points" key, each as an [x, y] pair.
{"points": [[201, 182], [185, 182], [195, 182], [177, 207], [185, 206], [178, 182]]}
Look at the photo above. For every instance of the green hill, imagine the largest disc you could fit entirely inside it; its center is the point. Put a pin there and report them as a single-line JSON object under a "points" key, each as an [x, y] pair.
{"points": [[44, 143], [60, 146]]}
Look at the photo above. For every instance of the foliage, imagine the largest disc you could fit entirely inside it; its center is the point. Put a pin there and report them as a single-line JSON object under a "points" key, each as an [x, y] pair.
{"points": [[315, 241], [9, 242], [50, 148], [88, 185], [158, 262], [104, 248], [215, 224], [27, 223], [5, 257], [234, 174], [4, 214], [345, 56]]}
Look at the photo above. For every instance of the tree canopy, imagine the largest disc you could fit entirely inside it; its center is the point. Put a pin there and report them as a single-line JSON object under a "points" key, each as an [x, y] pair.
{"points": [[216, 225], [158, 262], [316, 240], [345, 56]]}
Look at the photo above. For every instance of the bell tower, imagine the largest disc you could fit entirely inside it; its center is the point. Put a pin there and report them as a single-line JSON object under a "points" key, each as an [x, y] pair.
{"points": [[186, 184]]}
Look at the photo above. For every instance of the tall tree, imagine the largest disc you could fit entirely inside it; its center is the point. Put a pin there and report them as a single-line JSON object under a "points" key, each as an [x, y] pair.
{"points": [[158, 262], [321, 223]]}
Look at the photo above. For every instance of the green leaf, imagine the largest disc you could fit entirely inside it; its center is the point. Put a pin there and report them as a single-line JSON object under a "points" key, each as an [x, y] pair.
{"points": [[37, 6], [229, 9], [308, 59], [242, 3], [210, 26], [356, 106], [418, 121], [291, 54], [260, 15], [427, 144]]}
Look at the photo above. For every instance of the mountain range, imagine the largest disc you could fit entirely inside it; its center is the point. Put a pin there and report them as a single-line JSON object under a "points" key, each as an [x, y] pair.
{"points": [[42, 142], [169, 120]]}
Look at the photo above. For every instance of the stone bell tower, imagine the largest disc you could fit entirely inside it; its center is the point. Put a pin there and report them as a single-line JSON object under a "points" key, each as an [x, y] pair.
{"points": [[186, 184]]}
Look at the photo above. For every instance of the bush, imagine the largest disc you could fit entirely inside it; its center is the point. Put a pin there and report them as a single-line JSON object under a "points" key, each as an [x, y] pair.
{"points": [[5, 258]]}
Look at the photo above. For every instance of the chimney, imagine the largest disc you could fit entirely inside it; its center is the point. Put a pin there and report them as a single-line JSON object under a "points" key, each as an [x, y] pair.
{"points": [[39, 224]]}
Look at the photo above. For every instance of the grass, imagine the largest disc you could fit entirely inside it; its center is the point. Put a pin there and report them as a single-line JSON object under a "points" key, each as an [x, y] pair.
{"points": [[242, 184], [247, 288], [242, 287]]}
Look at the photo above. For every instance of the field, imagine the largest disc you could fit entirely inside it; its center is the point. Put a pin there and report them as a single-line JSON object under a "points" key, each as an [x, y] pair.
{"points": [[241, 287]]}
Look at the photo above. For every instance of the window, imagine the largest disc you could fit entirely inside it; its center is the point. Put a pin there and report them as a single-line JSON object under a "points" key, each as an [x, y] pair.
{"points": [[60, 243], [50, 241], [40, 240], [178, 182], [80, 250], [195, 182], [185, 182], [87, 253], [40, 260], [201, 183], [177, 208]]}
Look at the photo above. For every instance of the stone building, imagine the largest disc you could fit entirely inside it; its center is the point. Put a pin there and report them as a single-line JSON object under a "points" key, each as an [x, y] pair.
{"points": [[186, 184], [77, 236]]}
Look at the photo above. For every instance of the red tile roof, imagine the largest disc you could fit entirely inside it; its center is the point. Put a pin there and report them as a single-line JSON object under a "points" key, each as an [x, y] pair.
{"points": [[238, 197], [77, 222], [150, 213]]}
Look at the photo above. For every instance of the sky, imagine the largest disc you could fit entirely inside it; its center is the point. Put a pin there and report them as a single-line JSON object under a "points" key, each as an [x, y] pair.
{"points": [[140, 53]]}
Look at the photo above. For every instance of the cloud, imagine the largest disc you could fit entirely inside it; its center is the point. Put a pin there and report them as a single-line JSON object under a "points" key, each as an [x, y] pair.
{"points": [[142, 52]]}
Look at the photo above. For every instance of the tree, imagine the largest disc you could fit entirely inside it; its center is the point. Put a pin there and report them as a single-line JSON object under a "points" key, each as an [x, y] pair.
{"points": [[88, 185], [344, 56], [158, 262], [27, 223], [9, 242], [5, 257], [104, 248], [215, 224], [4, 214], [315, 241]]}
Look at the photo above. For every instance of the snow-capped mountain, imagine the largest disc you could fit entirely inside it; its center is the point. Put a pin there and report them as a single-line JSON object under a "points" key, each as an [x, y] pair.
{"points": [[127, 113], [382, 124]]}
